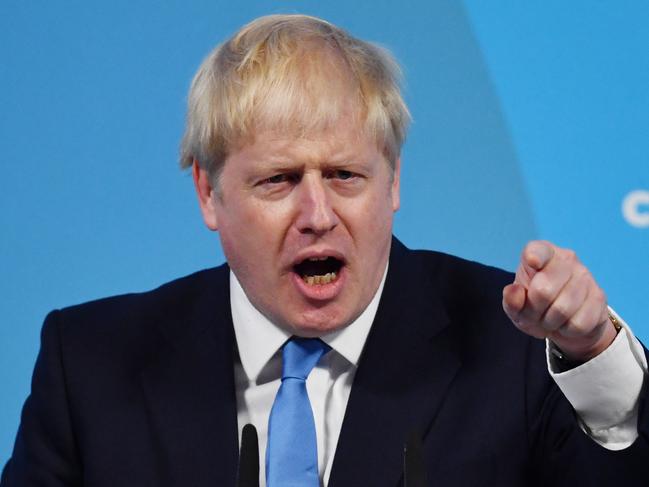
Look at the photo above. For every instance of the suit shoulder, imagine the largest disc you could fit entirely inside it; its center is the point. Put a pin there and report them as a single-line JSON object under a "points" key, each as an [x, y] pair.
{"points": [[170, 294], [136, 314]]}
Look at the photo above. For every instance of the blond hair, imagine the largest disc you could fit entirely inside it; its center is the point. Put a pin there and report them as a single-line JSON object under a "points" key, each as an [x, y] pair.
{"points": [[291, 73]]}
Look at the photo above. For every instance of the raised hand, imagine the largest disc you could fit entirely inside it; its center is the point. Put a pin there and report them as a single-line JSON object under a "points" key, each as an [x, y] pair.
{"points": [[555, 296]]}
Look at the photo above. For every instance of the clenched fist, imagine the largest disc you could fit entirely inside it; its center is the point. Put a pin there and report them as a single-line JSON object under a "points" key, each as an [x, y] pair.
{"points": [[554, 296]]}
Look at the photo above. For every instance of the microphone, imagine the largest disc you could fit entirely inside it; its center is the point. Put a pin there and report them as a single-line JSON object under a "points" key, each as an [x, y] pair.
{"points": [[248, 473], [414, 470]]}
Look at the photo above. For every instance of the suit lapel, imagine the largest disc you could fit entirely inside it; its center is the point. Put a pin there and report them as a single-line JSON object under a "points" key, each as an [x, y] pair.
{"points": [[190, 392], [408, 362]]}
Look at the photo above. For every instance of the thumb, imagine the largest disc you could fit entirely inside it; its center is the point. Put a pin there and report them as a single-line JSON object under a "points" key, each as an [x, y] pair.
{"points": [[514, 296]]}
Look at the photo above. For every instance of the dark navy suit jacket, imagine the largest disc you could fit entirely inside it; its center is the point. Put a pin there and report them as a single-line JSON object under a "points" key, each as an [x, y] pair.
{"points": [[138, 390]]}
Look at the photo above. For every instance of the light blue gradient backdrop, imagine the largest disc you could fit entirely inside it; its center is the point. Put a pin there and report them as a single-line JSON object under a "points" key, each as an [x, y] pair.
{"points": [[530, 121]]}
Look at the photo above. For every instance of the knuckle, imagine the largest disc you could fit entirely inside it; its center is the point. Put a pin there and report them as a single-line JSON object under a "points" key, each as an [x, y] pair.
{"points": [[599, 296], [583, 274], [568, 258], [560, 313], [542, 289], [570, 255]]}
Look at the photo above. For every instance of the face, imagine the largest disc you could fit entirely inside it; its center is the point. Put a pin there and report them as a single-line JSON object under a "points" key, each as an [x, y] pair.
{"points": [[305, 224]]}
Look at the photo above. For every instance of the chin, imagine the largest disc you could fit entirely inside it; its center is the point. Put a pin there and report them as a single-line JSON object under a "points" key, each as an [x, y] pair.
{"points": [[317, 324]]}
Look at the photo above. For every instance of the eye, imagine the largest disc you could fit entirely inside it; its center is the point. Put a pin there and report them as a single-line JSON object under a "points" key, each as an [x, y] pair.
{"points": [[280, 178], [342, 174]]}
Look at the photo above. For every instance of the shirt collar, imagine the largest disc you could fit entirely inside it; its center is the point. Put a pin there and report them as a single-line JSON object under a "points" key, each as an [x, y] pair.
{"points": [[258, 338]]}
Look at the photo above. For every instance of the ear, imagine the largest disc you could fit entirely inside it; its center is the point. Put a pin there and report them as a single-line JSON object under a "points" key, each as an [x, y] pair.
{"points": [[206, 195], [396, 198]]}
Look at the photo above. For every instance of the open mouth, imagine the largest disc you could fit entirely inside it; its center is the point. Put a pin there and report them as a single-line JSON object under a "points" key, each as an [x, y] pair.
{"points": [[318, 270]]}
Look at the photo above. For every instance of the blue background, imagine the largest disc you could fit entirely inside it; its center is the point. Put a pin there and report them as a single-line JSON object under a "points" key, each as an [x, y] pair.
{"points": [[531, 120]]}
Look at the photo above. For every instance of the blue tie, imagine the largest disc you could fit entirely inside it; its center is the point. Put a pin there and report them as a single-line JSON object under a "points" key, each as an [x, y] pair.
{"points": [[292, 452]]}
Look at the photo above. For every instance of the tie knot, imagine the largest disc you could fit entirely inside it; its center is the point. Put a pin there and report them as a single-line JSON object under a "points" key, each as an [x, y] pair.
{"points": [[300, 355]]}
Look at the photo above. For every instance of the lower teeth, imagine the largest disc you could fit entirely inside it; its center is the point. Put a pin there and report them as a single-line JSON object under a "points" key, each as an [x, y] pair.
{"points": [[326, 279]]}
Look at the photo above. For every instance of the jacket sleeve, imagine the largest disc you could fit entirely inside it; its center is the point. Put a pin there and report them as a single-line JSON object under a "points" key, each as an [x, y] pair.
{"points": [[45, 452], [564, 455]]}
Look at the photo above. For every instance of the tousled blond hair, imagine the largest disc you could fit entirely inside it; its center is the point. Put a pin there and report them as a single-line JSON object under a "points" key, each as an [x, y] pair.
{"points": [[291, 73]]}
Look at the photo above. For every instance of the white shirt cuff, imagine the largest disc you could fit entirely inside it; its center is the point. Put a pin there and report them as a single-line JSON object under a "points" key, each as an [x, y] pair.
{"points": [[604, 391]]}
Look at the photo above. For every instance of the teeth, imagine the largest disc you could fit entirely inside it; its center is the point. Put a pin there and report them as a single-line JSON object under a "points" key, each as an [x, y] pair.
{"points": [[316, 259], [326, 279]]}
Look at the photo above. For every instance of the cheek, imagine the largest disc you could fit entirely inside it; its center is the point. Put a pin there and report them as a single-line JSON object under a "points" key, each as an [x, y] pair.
{"points": [[267, 222], [374, 218], [375, 231], [253, 229]]}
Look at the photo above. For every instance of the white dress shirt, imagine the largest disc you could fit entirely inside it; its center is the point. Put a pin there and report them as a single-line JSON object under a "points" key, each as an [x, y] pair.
{"points": [[603, 391]]}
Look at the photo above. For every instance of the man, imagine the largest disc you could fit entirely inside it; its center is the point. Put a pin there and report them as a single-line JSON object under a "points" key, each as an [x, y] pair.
{"points": [[293, 136]]}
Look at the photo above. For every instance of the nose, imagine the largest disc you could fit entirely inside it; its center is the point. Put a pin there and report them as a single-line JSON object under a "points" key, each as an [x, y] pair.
{"points": [[315, 211]]}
